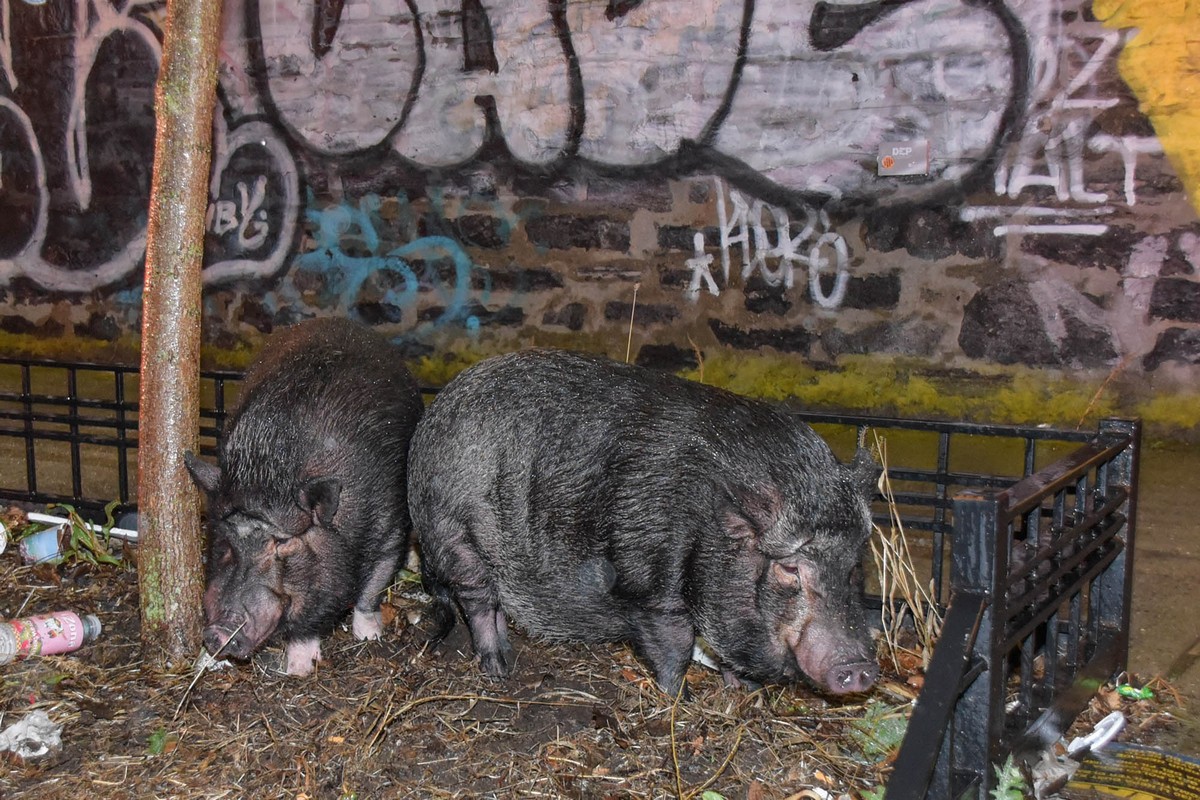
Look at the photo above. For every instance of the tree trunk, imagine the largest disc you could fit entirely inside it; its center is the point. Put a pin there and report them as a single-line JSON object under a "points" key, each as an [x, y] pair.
{"points": [[169, 550]]}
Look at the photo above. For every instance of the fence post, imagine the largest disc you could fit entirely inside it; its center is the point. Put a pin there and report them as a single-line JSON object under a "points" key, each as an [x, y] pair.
{"points": [[979, 560], [1113, 601]]}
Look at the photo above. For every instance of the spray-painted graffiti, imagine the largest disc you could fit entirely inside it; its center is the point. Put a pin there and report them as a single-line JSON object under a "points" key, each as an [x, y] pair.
{"points": [[786, 103], [1158, 61], [815, 248], [98, 35], [727, 86], [784, 99], [1059, 130], [94, 233], [428, 283], [1045, 158]]}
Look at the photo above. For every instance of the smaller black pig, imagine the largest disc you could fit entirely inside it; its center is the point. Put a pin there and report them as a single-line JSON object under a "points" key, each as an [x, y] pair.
{"points": [[307, 510], [591, 500]]}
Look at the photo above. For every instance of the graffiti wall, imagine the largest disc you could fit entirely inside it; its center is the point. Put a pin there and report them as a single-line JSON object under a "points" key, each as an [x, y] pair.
{"points": [[967, 184]]}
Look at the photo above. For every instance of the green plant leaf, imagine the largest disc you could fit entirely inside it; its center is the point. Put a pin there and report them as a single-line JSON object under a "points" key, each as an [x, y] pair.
{"points": [[85, 545], [879, 731], [161, 741], [1010, 784]]}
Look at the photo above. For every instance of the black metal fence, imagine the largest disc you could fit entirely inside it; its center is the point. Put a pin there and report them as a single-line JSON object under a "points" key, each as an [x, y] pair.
{"points": [[1027, 533], [1038, 616]]}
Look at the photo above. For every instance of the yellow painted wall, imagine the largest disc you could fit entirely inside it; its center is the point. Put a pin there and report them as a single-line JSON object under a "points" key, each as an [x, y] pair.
{"points": [[1161, 64]]}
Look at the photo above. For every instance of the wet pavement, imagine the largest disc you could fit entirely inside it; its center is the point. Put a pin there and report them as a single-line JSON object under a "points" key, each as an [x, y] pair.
{"points": [[1165, 635]]}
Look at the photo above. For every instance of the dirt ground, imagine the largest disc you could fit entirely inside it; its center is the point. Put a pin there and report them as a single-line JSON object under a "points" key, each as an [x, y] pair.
{"points": [[391, 719]]}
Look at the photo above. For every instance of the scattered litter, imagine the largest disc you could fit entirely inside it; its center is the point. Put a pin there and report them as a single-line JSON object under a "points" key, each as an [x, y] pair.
{"points": [[1128, 770], [205, 661], [43, 547], [48, 539], [115, 532], [703, 656], [1059, 763], [32, 737], [815, 793], [1051, 773], [1105, 731], [46, 634], [1133, 693]]}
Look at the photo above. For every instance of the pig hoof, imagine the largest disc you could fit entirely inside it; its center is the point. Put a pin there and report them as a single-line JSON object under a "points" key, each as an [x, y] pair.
{"points": [[734, 681], [495, 665], [302, 655], [367, 625], [679, 691]]}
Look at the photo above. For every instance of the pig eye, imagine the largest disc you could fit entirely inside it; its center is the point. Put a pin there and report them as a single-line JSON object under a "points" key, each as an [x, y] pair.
{"points": [[223, 552], [278, 546], [787, 574]]}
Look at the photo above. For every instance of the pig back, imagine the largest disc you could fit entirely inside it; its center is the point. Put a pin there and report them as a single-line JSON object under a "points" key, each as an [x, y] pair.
{"points": [[589, 487], [330, 397]]}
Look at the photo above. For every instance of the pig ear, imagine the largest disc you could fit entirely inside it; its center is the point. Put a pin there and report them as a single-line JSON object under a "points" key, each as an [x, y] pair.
{"points": [[207, 476], [752, 511], [320, 496], [865, 472]]}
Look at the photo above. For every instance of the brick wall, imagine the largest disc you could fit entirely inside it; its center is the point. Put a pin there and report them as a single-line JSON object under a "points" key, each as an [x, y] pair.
{"points": [[492, 174]]}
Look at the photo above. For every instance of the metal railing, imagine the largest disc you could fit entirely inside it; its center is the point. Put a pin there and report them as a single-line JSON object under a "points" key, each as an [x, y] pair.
{"points": [[1038, 618], [68, 431], [1033, 525]]}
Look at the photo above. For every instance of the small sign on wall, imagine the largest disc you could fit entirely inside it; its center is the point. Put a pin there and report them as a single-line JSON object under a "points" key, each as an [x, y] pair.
{"points": [[904, 158]]}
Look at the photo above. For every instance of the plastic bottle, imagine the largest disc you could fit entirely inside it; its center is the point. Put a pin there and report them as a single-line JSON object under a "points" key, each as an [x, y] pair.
{"points": [[46, 634]]}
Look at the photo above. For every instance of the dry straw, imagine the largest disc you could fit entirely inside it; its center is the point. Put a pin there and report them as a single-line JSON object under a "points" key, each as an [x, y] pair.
{"points": [[907, 599]]}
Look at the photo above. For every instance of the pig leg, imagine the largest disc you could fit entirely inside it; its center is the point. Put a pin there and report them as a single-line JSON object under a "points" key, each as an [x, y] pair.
{"points": [[368, 622], [665, 639], [302, 654], [489, 633], [466, 578], [442, 610]]}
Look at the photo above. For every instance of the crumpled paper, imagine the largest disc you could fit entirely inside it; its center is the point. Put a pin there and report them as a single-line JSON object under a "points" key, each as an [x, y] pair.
{"points": [[32, 737], [204, 661]]}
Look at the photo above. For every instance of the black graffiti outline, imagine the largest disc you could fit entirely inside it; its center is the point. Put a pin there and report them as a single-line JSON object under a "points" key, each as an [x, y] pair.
{"points": [[830, 26]]}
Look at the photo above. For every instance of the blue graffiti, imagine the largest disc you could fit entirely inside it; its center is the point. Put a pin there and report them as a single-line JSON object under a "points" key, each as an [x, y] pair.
{"points": [[349, 252]]}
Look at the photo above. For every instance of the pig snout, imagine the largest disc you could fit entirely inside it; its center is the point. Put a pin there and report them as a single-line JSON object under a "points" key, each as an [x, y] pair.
{"points": [[221, 639], [237, 631], [846, 678], [833, 662]]}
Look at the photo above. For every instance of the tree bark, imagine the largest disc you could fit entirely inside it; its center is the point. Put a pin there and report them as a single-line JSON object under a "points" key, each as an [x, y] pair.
{"points": [[169, 550]]}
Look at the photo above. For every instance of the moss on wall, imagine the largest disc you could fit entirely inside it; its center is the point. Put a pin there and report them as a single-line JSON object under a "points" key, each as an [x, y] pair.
{"points": [[861, 384], [895, 387], [123, 350]]}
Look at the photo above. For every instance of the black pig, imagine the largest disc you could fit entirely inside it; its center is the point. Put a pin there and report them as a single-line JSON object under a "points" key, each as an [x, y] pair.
{"points": [[307, 510], [591, 500]]}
